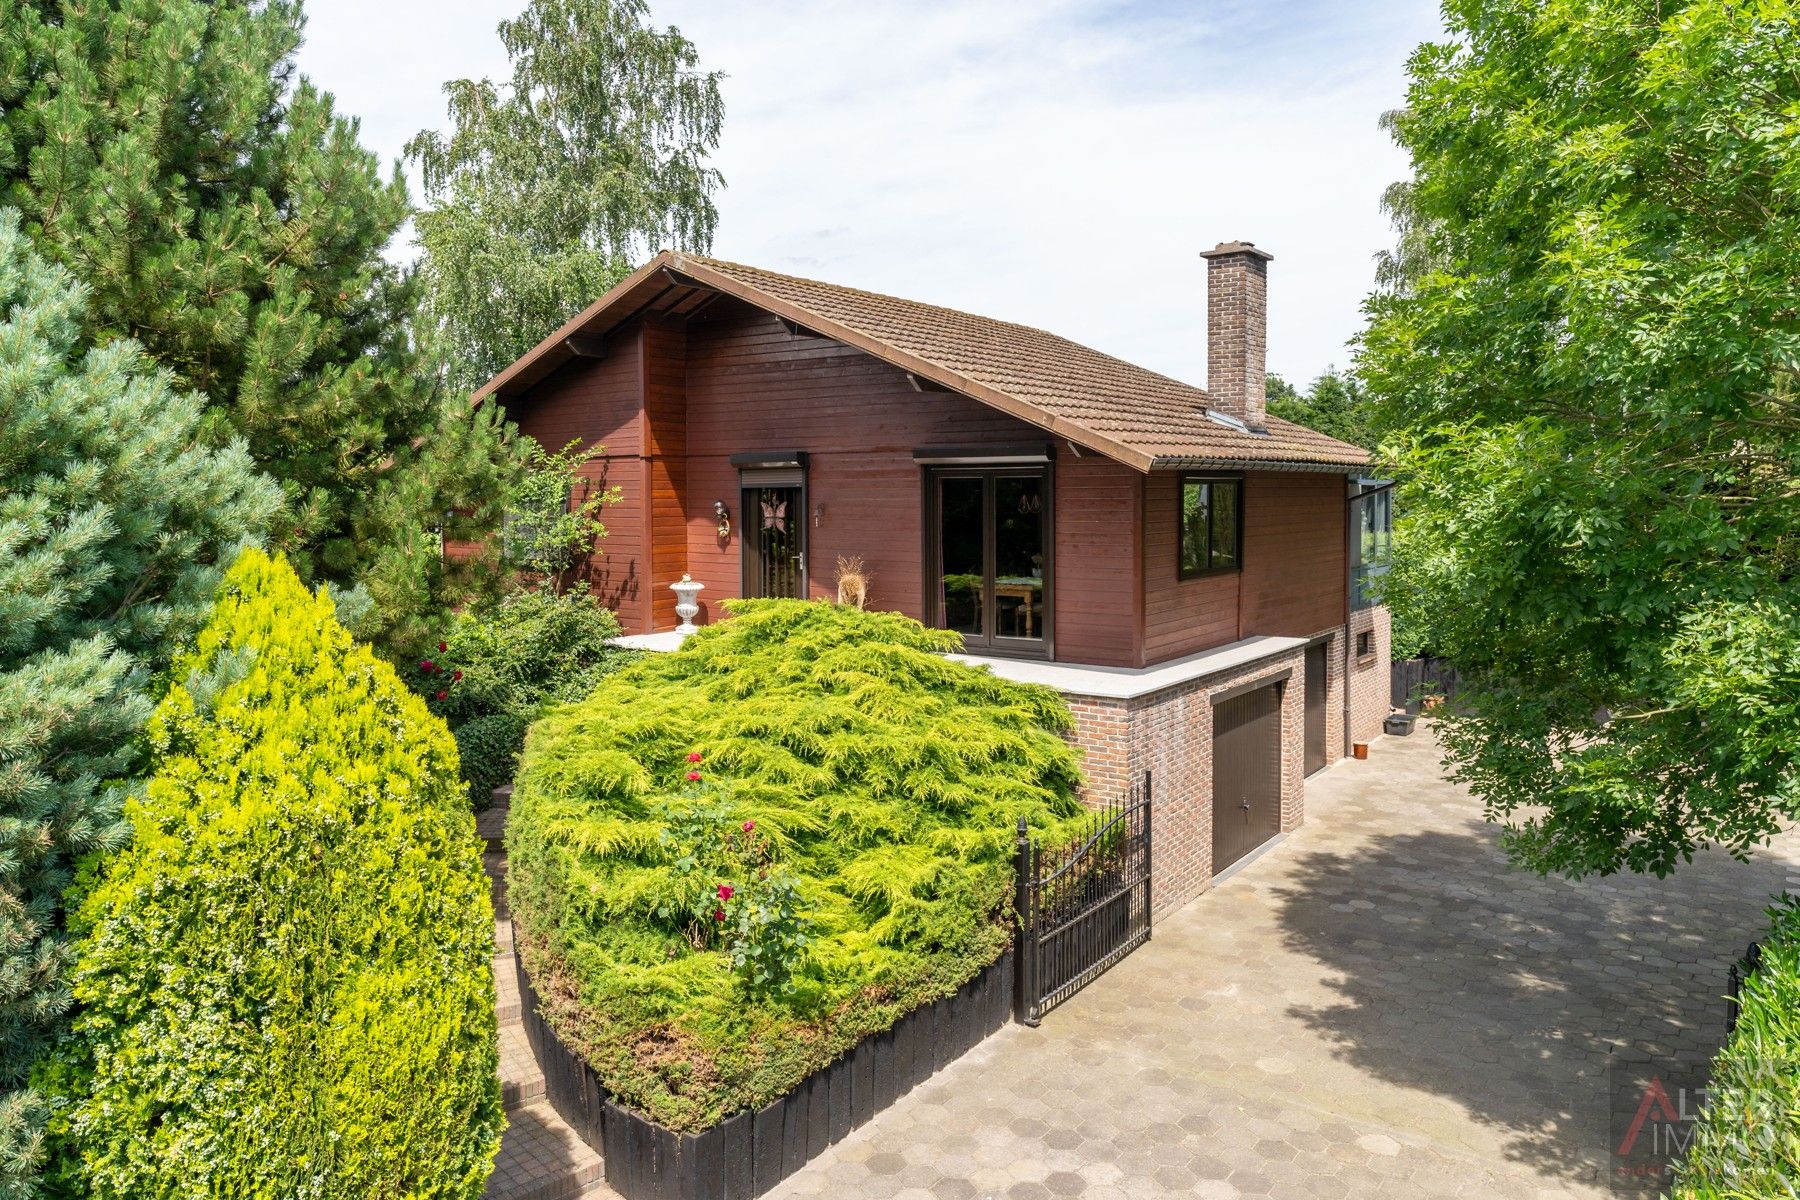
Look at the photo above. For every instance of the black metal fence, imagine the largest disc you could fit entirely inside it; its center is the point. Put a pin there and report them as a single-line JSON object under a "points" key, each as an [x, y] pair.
{"points": [[1083, 907], [1741, 970]]}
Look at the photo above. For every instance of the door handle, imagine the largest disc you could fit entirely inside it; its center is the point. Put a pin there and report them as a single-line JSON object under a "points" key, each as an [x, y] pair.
{"points": [[1245, 806]]}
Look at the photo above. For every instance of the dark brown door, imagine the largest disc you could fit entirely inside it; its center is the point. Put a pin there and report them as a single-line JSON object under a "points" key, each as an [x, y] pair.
{"points": [[1315, 707], [1246, 773], [774, 543]]}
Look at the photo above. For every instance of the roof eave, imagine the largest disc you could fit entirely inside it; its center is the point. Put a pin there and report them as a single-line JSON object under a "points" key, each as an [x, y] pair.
{"points": [[1183, 462], [555, 342]]}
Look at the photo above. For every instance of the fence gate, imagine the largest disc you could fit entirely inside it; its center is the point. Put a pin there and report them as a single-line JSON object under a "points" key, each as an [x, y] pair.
{"points": [[1084, 907]]}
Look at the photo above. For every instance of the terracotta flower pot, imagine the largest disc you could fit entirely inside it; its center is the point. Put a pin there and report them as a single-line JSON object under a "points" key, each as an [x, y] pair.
{"points": [[1359, 749]]}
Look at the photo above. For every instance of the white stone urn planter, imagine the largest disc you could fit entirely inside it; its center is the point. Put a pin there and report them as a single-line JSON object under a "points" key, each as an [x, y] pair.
{"points": [[687, 607]]}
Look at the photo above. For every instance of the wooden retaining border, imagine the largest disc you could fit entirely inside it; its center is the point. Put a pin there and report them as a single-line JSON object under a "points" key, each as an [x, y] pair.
{"points": [[747, 1154]]}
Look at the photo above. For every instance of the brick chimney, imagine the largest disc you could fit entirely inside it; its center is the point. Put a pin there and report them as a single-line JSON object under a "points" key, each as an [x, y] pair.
{"points": [[1237, 324]]}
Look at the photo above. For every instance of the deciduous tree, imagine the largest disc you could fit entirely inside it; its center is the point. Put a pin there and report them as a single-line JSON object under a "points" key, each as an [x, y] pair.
{"points": [[1589, 345], [550, 187]]}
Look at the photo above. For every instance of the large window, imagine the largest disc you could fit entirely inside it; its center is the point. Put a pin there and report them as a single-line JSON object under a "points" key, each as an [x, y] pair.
{"points": [[987, 559], [1371, 539], [1212, 524]]}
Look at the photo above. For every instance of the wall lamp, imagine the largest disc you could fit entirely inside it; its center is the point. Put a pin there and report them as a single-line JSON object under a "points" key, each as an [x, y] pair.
{"points": [[724, 516]]}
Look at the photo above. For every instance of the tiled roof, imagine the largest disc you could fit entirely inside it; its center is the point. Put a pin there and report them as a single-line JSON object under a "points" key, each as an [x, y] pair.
{"points": [[1104, 403]]}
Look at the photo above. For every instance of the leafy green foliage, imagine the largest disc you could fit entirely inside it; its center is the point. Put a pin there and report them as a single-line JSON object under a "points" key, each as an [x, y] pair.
{"points": [[500, 664], [114, 522], [1747, 1142], [1335, 405], [488, 748], [878, 783], [553, 511], [1588, 354], [226, 218], [285, 981], [551, 186], [531, 649]]}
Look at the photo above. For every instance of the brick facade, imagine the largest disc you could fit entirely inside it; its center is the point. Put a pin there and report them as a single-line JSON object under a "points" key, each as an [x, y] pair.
{"points": [[1169, 734], [1370, 678]]}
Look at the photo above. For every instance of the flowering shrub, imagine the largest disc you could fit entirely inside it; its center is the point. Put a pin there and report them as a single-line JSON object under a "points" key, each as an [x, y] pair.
{"points": [[728, 891], [843, 857]]}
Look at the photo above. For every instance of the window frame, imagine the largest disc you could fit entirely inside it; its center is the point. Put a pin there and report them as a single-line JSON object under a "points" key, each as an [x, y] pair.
{"points": [[1236, 479], [1369, 495], [931, 557]]}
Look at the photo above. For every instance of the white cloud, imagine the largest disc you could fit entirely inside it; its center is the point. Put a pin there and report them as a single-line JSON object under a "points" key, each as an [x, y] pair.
{"points": [[1058, 163]]}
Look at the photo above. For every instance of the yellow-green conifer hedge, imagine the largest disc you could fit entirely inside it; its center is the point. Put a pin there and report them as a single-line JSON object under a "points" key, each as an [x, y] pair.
{"points": [[285, 982]]}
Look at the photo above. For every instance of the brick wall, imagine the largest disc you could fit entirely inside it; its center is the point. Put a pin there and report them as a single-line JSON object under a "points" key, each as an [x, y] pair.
{"points": [[1370, 678], [1169, 734], [1334, 696]]}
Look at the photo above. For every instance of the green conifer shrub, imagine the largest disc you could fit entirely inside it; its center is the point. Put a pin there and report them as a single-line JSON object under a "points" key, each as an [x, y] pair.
{"points": [[227, 217], [285, 981], [841, 753], [115, 523]]}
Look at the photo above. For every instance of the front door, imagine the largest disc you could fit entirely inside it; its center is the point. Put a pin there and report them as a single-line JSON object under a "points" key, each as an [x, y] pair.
{"points": [[1246, 772], [989, 557], [774, 543], [1315, 707]]}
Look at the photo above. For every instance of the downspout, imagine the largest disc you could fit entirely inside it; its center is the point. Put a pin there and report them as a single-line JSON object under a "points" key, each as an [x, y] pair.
{"points": [[1349, 639]]}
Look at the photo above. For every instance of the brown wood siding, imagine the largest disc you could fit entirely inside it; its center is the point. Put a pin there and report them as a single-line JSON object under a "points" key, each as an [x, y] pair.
{"points": [[1097, 560], [1295, 574], [665, 448], [598, 402], [673, 401], [751, 385], [1181, 616]]}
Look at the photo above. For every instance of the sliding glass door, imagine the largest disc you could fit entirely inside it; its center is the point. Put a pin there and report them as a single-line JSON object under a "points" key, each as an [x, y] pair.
{"points": [[988, 562]]}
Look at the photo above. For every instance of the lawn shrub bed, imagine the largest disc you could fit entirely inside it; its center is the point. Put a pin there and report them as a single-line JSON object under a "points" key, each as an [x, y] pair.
{"points": [[708, 933], [285, 981], [1747, 1143]]}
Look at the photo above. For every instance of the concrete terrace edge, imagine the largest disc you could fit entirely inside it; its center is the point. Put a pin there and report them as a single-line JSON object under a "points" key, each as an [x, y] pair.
{"points": [[1074, 679]]}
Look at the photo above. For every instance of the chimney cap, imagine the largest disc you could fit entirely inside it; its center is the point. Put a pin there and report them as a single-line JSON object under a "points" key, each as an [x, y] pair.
{"points": [[1226, 249]]}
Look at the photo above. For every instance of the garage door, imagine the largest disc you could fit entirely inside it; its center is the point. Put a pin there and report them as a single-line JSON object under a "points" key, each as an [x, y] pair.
{"points": [[1246, 773]]}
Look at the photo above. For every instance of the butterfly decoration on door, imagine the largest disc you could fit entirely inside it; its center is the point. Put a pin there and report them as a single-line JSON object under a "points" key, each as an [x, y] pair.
{"points": [[774, 515]]}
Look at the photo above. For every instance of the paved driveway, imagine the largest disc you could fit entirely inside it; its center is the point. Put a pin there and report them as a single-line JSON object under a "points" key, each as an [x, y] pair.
{"points": [[1379, 1006]]}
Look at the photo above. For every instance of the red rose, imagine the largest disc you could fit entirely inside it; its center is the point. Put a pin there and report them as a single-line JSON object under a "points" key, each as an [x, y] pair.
{"points": [[441, 694], [718, 914], [693, 777], [694, 757], [749, 825], [724, 891], [443, 646], [456, 677]]}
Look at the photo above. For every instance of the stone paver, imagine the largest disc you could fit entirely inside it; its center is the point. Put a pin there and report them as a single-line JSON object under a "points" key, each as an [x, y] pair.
{"points": [[1380, 1006]]}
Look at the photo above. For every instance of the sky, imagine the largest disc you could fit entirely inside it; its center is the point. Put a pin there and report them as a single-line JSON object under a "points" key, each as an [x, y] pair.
{"points": [[1059, 163]]}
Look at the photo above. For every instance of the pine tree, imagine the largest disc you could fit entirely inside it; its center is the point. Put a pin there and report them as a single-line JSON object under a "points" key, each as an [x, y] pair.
{"points": [[226, 217], [115, 518], [552, 186]]}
